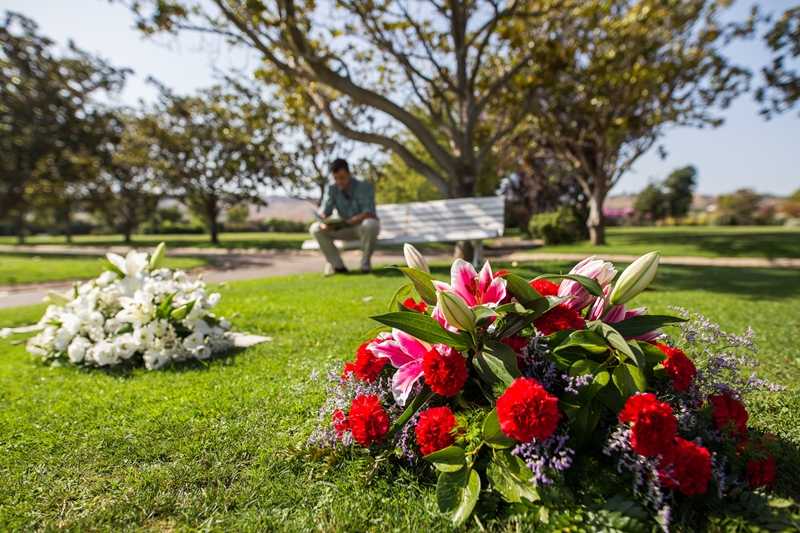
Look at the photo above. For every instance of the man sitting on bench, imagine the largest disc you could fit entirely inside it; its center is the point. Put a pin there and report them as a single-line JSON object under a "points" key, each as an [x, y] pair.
{"points": [[354, 201]]}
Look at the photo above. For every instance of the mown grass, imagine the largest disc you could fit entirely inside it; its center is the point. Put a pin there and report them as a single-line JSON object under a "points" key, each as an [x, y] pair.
{"points": [[220, 446], [259, 240], [17, 269], [702, 241]]}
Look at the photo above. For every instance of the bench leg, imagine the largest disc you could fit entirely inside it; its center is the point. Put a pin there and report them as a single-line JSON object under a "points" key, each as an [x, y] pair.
{"points": [[477, 253]]}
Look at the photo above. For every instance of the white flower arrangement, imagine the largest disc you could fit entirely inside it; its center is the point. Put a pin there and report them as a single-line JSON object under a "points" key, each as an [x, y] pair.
{"points": [[133, 311]]}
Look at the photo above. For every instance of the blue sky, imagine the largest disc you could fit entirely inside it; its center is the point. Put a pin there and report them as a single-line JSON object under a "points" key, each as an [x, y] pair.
{"points": [[746, 151]]}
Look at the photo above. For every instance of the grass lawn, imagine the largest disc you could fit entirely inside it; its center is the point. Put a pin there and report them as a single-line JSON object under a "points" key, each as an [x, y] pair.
{"points": [[17, 268], [220, 446], [705, 241], [263, 240]]}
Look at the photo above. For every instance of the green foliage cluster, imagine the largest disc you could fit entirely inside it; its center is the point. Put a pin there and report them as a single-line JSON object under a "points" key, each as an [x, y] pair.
{"points": [[670, 198], [555, 227]]}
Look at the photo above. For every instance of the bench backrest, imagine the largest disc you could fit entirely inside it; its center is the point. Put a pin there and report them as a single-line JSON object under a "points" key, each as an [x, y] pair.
{"points": [[442, 220]]}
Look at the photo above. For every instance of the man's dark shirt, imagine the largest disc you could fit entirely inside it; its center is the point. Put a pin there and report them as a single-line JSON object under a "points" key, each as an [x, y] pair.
{"points": [[358, 198]]}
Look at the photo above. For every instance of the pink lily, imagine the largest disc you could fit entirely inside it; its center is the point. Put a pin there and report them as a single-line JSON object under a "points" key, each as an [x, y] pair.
{"points": [[591, 267], [475, 289], [617, 313], [484, 288], [405, 353]]}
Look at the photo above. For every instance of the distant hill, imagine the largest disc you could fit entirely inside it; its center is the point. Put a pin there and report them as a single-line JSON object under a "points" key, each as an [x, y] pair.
{"points": [[284, 208]]}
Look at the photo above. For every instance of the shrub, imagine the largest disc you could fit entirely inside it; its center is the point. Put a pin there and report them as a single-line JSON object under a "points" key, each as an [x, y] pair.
{"points": [[555, 227]]}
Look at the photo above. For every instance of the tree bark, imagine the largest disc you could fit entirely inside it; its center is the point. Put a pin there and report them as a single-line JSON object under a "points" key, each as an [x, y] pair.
{"points": [[212, 217], [67, 226], [20, 227], [596, 222]]}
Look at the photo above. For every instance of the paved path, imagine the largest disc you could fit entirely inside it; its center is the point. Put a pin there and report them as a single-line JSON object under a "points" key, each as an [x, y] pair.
{"points": [[230, 265]]}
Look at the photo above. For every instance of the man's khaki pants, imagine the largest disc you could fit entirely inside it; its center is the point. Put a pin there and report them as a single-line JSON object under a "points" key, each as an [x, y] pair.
{"points": [[366, 232]]}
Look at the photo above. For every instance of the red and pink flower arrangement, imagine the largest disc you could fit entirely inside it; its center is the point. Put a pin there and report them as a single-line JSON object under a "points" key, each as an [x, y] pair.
{"points": [[529, 389]]}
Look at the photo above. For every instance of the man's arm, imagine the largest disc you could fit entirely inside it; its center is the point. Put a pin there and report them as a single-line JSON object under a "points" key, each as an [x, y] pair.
{"points": [[326, 205], [366, 204]]}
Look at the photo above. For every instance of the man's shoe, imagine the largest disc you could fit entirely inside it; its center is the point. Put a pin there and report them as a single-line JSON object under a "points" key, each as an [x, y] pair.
{"points": [[330, 271], [366, 268]]}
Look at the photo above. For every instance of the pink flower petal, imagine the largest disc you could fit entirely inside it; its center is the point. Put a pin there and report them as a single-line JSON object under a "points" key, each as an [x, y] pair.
{"points": [[495, 292], [463, 281], [410, 345], [485, 277], [390, 349], [404, 379]]}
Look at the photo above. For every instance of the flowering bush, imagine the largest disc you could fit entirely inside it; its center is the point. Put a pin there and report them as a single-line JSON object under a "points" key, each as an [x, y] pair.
{"points": [[135, 311], [534, 389]]}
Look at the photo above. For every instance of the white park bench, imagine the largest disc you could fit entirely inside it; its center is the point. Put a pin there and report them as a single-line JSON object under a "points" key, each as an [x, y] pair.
{"points": [[460, 219]]}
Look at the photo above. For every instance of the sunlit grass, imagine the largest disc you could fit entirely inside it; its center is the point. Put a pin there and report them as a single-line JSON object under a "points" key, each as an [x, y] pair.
{"points": [[220, 446]]}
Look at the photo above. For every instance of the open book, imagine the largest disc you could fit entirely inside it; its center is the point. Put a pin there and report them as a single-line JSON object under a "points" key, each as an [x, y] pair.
{"points": [[334, 222]]}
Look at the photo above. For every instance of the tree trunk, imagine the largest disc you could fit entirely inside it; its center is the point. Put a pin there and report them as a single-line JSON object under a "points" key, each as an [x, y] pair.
{"points": [[20, 227], [596, 223], [126, 235], [67, 226], [213, 226], [463, 186]]}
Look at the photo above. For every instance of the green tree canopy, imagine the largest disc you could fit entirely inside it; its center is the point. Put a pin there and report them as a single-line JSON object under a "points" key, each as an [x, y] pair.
{"points": [[54, 134], [219, 148]]}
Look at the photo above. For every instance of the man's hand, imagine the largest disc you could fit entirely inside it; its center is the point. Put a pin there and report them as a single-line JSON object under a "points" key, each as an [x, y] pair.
{"points": [[323, 226]]}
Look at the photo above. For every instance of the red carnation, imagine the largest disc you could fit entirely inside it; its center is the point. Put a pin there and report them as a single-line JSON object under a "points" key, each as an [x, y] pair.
{"points": [[412, 304], [761, 472], [653, 426], [544, 287], [445, 374], [689, 469], [559, 318], [515, 342], [526, 411], [349, 368], [367, 366], [679, 367], [729, 414], [368, 420], [339, 420], [435, 429]]}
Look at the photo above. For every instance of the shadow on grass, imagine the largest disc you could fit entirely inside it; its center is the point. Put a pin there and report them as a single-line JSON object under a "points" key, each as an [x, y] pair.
{"points": [[752, 283], [729, 244], [127, 369]]}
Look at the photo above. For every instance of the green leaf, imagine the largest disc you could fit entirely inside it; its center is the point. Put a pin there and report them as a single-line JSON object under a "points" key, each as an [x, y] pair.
{"points": [[614, 338], [493, 435], [416, 403], [457, 493], [450, 459], [584, 422], [583, 366], [601, 379], [587, 283], [179, 313], [629, 379], [158, 256], [483, 313], [587, 340], [512, 478], [403, 292], [639, 325], [422, 281], [521, 289], [425, 329], [652, 355], [497, 365], [165, 307]]}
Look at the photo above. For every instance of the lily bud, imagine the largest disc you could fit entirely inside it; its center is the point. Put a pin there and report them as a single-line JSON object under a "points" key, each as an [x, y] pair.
{"points": [[455, 311], [158, 256], [414, 259], [635, 278]]}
